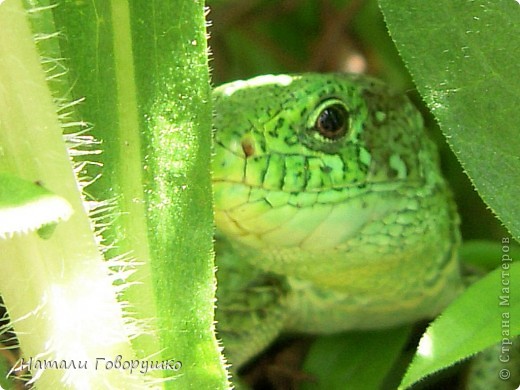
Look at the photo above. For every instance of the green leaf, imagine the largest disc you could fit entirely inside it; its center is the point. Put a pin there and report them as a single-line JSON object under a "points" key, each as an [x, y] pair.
{"points": [[26, 206], [137, 73], [141, 68], [463, 57], [341, 361], [57, 292], [476, 320]]}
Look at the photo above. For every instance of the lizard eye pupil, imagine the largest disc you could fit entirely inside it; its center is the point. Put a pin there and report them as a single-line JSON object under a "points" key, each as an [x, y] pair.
{"points": [[332, 122]]}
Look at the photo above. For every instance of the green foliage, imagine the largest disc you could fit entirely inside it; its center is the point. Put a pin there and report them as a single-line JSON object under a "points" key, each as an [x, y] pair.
{"points": [[465, 66], [56, 290], [145, 82], [341, 360], [137, 74], [475, 321], [460, 55], [26, 206]]}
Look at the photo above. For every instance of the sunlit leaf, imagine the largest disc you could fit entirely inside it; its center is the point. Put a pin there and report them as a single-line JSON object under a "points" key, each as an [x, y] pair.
{"points": [[473, 322], [26, 206], [464, 59]]}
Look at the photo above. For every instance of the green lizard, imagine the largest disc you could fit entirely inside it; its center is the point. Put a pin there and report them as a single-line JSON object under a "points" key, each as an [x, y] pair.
{"points": [[331, 210]]}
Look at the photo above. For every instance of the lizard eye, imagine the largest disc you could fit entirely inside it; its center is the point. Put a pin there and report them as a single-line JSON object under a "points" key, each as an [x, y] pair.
{"points": [[332, 121]]}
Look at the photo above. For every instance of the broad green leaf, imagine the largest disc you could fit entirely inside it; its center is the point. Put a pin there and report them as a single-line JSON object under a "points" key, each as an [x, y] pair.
{"points": [[476, 320], [464, 58], [355, 360], [141, 68], [140, 72], [26, 206], [57, 292]]}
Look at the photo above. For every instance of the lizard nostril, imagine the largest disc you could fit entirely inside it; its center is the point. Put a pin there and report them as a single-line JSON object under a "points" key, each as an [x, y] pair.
{"points": [[247, 147]]}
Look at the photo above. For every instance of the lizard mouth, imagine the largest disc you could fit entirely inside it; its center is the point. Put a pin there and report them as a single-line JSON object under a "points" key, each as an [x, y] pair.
{"points": [[313, 221], [309, 200]]}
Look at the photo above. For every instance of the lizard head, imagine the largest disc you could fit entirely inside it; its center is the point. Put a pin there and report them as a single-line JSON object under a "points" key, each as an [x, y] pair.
{"points": [[290, 151]]}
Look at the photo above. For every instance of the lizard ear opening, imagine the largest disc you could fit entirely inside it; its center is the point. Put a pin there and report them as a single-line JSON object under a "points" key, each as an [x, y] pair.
{"points": [[247, 147]]}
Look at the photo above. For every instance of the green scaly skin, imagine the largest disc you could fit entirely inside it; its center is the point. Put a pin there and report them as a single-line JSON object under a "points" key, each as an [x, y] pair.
{"points": [[331, 210]]}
